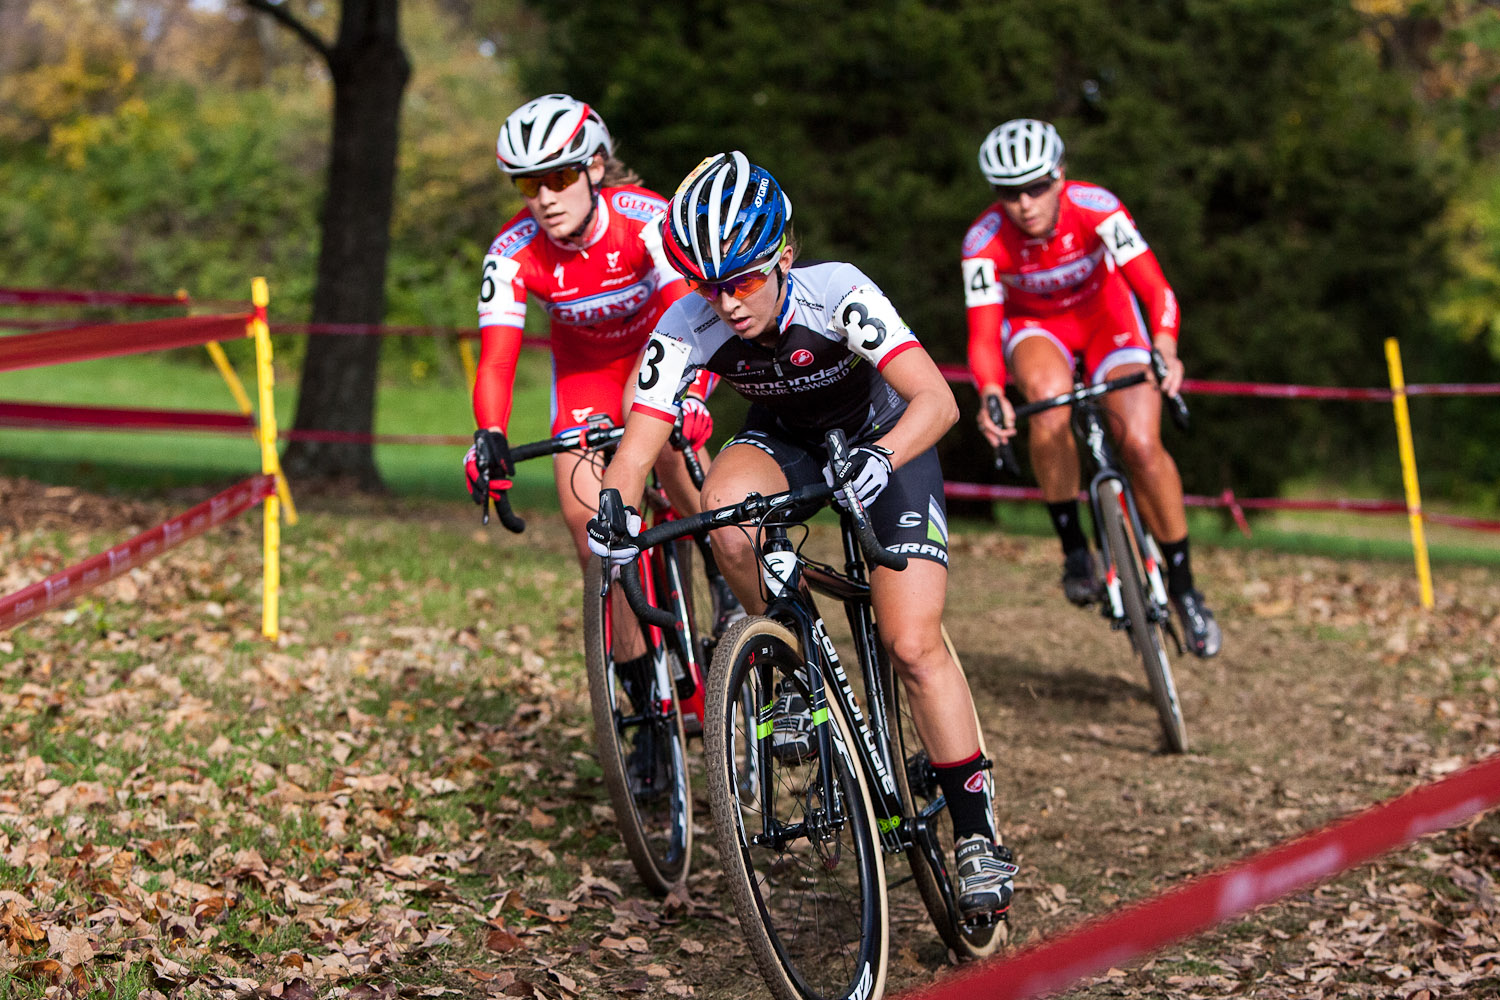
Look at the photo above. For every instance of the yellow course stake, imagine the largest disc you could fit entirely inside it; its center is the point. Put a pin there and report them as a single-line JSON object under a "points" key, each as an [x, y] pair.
{"points": [[270, 462], [236, 387], [1409, 469], [466, 354]]}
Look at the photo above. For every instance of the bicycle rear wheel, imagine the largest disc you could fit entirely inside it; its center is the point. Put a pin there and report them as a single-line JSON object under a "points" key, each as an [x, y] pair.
{"points": [[917, 782], [811, 898], [641, 746], [1144, 619]]}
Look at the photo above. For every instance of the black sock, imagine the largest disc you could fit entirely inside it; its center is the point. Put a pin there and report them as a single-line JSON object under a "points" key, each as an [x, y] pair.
{"points": [[967, 790], [1179, 566], [632, 675], [1065, 522]]}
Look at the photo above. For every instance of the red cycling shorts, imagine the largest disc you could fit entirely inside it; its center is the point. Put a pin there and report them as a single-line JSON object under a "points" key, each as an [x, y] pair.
{"points": [[1107, 330], [580, 393]]}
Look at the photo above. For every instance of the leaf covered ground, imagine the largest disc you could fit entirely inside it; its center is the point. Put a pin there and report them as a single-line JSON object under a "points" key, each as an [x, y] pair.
{"points": [[400, 799]]}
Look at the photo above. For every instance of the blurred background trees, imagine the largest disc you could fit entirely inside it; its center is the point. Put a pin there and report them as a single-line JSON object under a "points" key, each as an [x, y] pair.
{"points": [[1314, 177]]}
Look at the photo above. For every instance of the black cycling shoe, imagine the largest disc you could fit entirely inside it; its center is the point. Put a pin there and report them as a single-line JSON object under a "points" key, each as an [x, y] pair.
{"points": [[645, 768], [1080, 579], [1198, 625]]}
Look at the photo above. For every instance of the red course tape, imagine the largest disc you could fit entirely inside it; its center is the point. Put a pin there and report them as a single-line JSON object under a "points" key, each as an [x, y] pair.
{"points": [[1202, 902], [65, 585]]}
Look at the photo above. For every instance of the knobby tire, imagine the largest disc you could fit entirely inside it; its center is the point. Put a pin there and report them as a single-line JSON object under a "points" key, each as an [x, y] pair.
{"points": [[813, 912], [656, 828], [1146, 635]]}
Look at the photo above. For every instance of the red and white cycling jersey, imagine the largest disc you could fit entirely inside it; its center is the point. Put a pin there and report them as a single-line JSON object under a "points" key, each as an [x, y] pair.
{"points": [[603, 300], [1094, 257]]}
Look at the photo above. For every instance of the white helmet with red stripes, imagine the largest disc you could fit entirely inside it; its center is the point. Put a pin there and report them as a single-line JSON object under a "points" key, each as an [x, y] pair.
{"points": [[551, 131], [1020, 151]]}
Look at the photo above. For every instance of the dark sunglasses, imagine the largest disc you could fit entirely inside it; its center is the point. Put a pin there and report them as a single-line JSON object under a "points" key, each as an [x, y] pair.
{"points": [[530, 185], [1033, 190]]}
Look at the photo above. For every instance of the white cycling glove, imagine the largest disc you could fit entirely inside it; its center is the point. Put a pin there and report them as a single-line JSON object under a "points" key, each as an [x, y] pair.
{"points": [[615, 541], [872, 472]]}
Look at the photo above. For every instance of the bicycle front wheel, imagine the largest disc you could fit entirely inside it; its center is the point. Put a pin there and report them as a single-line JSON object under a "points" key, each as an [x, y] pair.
{"points": [[801, 856], [1144, 620], [641, 744], [916, 780]]}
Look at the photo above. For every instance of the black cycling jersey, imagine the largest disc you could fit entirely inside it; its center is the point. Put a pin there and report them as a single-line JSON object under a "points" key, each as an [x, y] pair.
{"points": [[838, 330]]}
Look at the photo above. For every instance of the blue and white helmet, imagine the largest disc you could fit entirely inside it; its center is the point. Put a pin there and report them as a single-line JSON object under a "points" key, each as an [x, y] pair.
{"points": [[1020, 151], [726, 217], [551, 131]]}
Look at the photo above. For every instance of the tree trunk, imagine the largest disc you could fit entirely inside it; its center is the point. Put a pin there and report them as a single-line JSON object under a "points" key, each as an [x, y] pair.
{"points": [[370, 71]]}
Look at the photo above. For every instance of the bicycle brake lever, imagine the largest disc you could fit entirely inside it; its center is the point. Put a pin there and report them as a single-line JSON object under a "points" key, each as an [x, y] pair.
{"points": [[1176, 407], [1005, 455]]}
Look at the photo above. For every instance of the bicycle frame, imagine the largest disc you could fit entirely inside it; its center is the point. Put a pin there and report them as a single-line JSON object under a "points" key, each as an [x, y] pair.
{"points": [[795, 608], [1088, 429]]}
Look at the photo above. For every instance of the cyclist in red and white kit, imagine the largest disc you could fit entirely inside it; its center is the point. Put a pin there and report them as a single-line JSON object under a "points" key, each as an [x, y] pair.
{"points": [[588, 248], [583, 247], [1056, 270]]}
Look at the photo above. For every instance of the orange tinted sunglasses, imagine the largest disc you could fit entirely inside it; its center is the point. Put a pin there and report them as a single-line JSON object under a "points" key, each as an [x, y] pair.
{"points": [[530, 185], [738, 288], [741, 285]]}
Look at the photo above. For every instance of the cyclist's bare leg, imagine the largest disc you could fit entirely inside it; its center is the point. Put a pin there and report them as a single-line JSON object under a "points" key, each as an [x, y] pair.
{"points": [[737, 471], [909, 607], [1136, 424], [577, 476], [1042, 371]]}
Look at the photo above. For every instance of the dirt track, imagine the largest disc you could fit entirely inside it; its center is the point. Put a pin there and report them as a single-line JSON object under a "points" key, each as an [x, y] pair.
{"points": [[1333, 692]]}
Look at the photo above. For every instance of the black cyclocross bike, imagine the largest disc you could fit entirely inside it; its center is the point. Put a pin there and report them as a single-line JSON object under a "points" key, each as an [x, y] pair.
{"points": [[803, 842], [646, 704], [1135, 593]]}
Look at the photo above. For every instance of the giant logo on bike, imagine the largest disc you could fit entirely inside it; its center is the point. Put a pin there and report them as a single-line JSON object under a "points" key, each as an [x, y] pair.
{"points": [[802, 357], [593, 309]]}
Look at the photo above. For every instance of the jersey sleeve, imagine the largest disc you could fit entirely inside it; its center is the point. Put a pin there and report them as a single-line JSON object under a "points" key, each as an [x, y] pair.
{"points": [[495, 376], [1142, 270], [502, 293], [867, 322], [667, 371], [984, 302], [671, 286]]}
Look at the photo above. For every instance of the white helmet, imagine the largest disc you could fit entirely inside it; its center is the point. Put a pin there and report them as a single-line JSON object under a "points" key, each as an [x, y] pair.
{"points": [[551, 131], [1019, 152]]}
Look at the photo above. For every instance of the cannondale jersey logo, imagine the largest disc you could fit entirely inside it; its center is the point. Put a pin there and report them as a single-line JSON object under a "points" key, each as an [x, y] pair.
{"points": [[802, 358]]}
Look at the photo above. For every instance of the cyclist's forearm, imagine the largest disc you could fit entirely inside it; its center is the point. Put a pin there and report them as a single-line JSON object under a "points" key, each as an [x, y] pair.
{"points": [[627, 470]]}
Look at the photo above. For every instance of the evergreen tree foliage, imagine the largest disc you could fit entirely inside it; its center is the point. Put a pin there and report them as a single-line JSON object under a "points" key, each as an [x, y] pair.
{"points": [[1273, 162]]}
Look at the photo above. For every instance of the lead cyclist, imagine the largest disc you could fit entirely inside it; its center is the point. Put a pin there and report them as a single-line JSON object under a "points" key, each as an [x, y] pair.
{"points": [[812, 348]]}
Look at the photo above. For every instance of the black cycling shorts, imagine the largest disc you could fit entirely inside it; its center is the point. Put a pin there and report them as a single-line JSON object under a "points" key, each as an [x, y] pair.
{"points": [[909, 516]]}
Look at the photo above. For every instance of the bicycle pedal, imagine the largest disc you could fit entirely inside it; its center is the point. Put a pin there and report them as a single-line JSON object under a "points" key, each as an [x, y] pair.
{"points": [[987, 919]]}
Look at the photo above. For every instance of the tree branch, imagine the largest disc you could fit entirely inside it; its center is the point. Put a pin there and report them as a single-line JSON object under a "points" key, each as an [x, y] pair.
{"points": [[289, 20]]}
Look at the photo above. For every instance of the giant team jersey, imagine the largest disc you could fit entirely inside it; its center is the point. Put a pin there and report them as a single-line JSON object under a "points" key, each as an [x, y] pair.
{"points": [[1095, 241], [603, 299], [838, 331]]}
